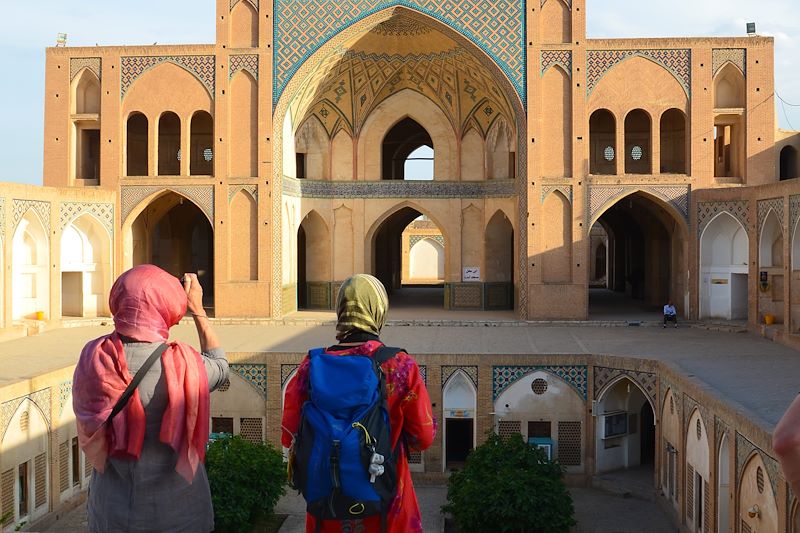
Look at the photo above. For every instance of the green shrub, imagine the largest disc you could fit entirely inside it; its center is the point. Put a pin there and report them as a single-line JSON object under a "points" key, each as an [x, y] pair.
{"points": [[509, 486], [245, 479]]}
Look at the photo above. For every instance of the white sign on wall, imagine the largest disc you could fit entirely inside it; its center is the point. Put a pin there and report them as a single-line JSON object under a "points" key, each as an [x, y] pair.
{"points": [[471, 274]]}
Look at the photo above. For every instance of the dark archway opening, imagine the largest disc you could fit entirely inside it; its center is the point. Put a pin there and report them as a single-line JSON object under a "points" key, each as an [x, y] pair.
{"points": [[388, 259], [644, 253], [602, 143], [174, 234], [169, 145], [788, 163], [647, 435], [302, 278], [136, 149], [202, 145], [459, 433], [400, 142]]}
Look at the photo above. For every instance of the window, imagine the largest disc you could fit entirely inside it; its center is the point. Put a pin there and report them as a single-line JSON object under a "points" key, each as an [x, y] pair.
{"points": [[22, 486], [76, 463], [222, 425]]}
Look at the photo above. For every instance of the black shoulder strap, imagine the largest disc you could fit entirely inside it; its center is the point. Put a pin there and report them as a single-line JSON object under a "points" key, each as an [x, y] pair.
{"points": [[384, 353], [137, 378]]}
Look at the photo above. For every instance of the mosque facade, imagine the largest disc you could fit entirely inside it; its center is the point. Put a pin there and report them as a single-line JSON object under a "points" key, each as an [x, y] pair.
{"points": [[275, 163]]}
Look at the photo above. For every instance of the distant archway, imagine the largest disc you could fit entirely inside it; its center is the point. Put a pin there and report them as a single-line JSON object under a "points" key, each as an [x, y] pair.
{"points": [[724, 252], [405, 138], [86, 253], [30, 269]]}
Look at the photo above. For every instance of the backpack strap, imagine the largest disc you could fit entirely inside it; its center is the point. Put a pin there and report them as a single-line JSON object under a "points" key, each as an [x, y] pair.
{"points": [[384, 353], [137, 378]]}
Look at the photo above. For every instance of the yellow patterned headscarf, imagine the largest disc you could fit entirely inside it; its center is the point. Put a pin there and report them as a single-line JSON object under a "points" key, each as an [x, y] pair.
{"points": [[361, 305]]}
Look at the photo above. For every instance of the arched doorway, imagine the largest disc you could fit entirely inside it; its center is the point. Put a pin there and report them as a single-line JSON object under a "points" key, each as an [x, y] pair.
{"points": [[460, 401], [85, 268], [724, 252], [30, 269], [176, 235], [625, 433], [405, 138], [637, 143], [645, 257], [314, 264], [392, 245]]}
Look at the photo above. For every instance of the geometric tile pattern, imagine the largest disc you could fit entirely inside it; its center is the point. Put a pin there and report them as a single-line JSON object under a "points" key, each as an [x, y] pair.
{"points": [[40, 479], [303, 26], [505, 376], [678, 196], [254, 3], [764, 207], [678, 62], [414, 239], [566, 190], [507, 428], [201, 67], [568, 2], [794, 212], [248, 62], [706, 211], [252, 429], [252, 190], [64, 392], [563, 58], [202, 195], [40, 398], [41, 208], [286, 372], [470, 371], [254, 374], [569, 443], [647, 381], [720, 56], [744, 448], [76, 64], [104, 213], [398, 189], [423, 373]]}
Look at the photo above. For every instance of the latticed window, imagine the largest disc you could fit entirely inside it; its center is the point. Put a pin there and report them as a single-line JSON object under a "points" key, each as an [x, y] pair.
{"points": [[690, 492], [415, 458], [63, 466], [506, 428], [746, 527], [7, 496], [252, 429], [40, 480], [569, 443], [706, 507], [87, 467]]}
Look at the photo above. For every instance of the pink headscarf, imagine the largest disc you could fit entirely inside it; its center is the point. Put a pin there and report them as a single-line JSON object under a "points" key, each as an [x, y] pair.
{"points": [[146, 302]]}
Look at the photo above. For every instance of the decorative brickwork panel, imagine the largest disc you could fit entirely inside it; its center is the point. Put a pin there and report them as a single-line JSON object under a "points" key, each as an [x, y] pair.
{"points": [[566, 190], [104, 213], [507, 428], [201, 67], [7, 496], [690, 492], [303, 26], [706, 211], [286, 373], [647, 381], [63, 466], [40, 480], [470, 371], [466, 296], [721, 56], [252, 190], [706, 507], [765, 206], [562, 58], [252, 429], [569, 443], [42, 400], [40, 208], [398, 189], [677, 62], [253, 3], [64, 392], [201, 195], [318, 295], [77, 64], [794, 210], [505, 376], [499, 295], [248, 62], [602, 197], [7, 412], [414, 239], [254, 374], [423, 373]]}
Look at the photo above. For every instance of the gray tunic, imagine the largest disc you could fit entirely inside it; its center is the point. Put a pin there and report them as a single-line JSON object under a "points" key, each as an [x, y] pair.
{"points": [[148, 495]]}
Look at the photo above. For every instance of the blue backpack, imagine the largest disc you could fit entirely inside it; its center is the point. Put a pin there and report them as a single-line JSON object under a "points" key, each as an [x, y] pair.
{"points": [[342, 459]]}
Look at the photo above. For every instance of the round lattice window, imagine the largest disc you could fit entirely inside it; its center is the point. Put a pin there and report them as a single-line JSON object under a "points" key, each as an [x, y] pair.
{"points": [[539, 386], [225, 386], [699, 430], [671, 406], [24, 421], [179, 154], [609, 153], [208, 154], [637, 153], [760, 480]]}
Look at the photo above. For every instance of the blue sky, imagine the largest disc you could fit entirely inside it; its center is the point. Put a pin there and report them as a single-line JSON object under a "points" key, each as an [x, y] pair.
{"points": [[32, 26]]}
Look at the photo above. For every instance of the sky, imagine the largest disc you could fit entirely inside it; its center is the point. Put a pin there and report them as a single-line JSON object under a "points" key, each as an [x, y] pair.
{"points": [[32, 26]]}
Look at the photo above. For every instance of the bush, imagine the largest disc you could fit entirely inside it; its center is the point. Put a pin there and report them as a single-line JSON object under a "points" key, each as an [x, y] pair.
{"points": [[246, 479], [509, 486]]}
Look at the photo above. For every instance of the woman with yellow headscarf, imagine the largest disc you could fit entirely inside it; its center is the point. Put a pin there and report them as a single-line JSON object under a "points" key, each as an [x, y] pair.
{"points": [[361, 308]]}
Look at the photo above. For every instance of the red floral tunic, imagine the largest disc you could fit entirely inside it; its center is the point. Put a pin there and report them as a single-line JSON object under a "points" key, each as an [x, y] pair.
{"points": [[410, 414]]}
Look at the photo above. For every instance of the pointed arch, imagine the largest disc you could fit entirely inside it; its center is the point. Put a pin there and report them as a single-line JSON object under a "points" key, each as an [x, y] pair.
{"points": [[557, 122], [312, 147], [602, 142], [244, 25], [86, 267], [500, 157], [724, 267], [30, 268], [770, 241], [755, 488], [729, 87], [243, 237], [86, 95], [724, 496], [244, 115], [472, 156], [459, 401], [556, 22]]}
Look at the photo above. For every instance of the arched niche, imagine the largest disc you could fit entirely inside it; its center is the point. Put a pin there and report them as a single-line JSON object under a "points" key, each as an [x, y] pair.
{"points": [[74, 471], [556, 22], [201, 144], [499, 248], [313, 150], [244, 121], [342, 156], [788, 163], [472, 156], [86, 93], [86, 272], [407, 104], [556, 255], [729, 88], [698, 472], [169, 144], [556, 153], [674, 148], [243, 237], [770, 245], [724, 496], [459, 399], [426, 261], [755, 494], [343, 243], [244, 25], [137, 142], [625, 430], [638, 144], [500, 156], [602, 142], [313, 261], [670, 446], [400, 143], [238, 408], [30, 269], [724, 252]]}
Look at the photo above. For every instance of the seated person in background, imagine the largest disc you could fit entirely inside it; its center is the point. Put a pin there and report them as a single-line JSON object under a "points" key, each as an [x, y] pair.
{"points": [[670, 314]]}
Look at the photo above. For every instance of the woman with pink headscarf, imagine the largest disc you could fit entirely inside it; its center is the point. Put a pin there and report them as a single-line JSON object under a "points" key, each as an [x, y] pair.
{"points": [[148, 459]]}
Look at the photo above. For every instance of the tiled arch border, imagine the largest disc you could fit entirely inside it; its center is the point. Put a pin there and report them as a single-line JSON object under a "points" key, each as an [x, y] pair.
{"points": [[308, 66]]}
